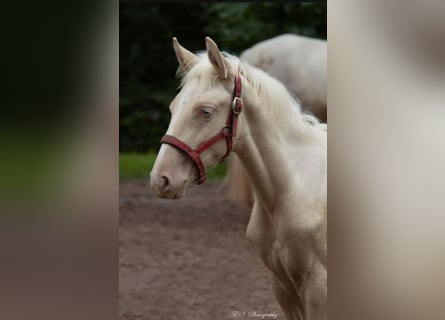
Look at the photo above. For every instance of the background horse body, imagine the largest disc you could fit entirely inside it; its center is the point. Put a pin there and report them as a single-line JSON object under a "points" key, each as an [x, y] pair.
{"points": [[284, 153], [300, 64]]}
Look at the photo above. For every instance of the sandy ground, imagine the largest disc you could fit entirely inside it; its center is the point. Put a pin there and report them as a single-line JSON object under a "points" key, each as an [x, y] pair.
{"points": [[188, 259]]}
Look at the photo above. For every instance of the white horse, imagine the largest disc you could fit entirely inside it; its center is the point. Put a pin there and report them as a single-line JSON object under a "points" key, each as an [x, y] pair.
{"points": [[300, 63], [227, 105]]}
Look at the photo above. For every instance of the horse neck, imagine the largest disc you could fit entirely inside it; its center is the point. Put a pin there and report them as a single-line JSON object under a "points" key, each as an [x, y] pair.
{"points": [[264, 146]]}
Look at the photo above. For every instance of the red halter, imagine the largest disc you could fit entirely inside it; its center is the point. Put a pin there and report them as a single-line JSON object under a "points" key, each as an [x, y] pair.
{"points": [[227, 132]]}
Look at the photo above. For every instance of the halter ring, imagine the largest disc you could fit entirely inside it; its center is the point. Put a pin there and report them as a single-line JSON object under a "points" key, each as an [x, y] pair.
{"points": [[235, 108]]}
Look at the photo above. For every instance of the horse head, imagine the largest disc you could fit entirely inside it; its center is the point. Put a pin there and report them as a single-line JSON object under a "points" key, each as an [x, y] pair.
{"points": [[201, 126]]}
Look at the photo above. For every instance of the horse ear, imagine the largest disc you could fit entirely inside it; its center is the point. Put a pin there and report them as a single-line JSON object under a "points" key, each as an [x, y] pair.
{"points": [[186, 59], [217, 59]]}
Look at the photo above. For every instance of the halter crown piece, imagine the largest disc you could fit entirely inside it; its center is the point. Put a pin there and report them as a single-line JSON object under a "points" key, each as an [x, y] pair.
{"points": [[228, 132]]}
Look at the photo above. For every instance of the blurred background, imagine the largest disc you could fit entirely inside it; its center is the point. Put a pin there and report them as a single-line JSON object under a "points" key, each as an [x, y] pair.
{"points": [[148, 63]]}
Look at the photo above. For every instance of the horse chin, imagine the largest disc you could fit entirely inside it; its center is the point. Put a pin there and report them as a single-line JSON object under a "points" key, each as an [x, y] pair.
{"points": [[172, 191], [174, 194]]}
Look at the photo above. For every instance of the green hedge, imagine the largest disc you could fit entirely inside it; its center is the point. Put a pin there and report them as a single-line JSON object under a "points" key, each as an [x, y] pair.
{"points": [[148, 64]]}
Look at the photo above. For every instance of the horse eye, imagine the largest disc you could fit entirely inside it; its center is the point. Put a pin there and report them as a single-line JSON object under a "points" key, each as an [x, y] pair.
{"points": [[206, 113]]}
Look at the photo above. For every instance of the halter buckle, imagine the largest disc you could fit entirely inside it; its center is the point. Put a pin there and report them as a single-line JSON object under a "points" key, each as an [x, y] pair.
{"points": [[237, 110]]}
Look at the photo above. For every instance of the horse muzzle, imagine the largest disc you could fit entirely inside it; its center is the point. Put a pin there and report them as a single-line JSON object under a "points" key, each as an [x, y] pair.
{"points": [[171, 173], [164, 187]]}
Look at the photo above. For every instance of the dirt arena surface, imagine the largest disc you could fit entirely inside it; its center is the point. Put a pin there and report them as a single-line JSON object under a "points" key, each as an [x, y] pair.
{"points": [[188, 259]]}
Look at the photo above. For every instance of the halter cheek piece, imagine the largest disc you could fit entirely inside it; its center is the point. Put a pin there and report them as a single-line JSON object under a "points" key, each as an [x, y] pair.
{"points": [[228, 132]]}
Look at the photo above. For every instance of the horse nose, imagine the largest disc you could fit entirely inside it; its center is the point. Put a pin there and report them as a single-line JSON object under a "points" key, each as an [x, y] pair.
{"points": [[161, 184]]}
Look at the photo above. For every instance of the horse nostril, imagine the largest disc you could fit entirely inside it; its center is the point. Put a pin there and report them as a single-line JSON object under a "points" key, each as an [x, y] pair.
{"points": [[165, 183]]}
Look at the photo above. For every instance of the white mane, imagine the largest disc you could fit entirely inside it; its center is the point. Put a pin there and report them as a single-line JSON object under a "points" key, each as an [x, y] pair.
{"points": [[276, 103]]}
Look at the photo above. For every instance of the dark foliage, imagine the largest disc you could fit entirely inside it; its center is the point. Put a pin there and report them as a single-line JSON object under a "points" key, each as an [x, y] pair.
{"points": [[148, 64]]}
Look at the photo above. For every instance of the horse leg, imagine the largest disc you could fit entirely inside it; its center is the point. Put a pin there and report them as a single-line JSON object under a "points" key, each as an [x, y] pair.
{"points": [[286, 300], [314, 293], [308, 304], [304, 279]]}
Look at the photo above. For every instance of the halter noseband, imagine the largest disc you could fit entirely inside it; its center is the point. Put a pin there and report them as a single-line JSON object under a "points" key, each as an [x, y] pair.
{"points": [[228, 132]]}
